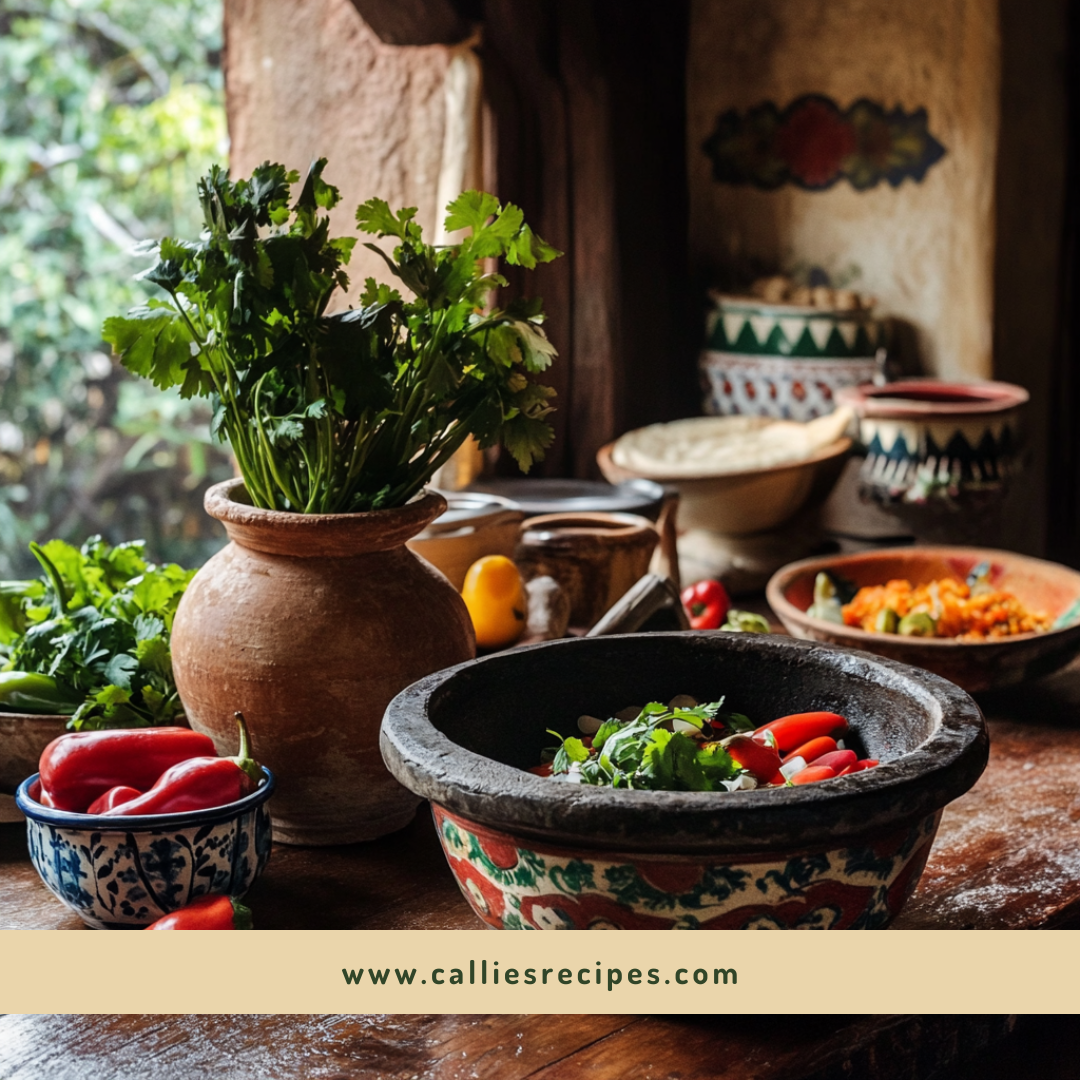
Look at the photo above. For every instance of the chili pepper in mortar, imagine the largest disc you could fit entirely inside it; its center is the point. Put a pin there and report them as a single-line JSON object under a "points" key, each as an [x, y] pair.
{"points": [[79, 767], [763, 761], [798, 728], [207, 913], [706, 603], [200, 783], [114, 797]]}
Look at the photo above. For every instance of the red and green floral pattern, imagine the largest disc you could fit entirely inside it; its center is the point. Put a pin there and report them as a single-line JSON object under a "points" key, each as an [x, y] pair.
{"points": [[516, 884]]}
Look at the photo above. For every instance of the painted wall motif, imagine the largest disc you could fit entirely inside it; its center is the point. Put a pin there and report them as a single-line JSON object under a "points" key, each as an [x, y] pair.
{"points": [[814, 144], [917, 222]]}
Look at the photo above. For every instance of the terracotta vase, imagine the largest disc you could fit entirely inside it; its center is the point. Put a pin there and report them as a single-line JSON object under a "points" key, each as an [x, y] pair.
{"points": [[309, 624]]}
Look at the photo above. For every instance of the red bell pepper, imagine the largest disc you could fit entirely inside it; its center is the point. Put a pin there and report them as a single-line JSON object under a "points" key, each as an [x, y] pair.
{"points": [[207, 913], [200, 783], [78, 768], [812, 750], [762, 761], [798, 728], [107, 803], [707, 604], [812, 773]]}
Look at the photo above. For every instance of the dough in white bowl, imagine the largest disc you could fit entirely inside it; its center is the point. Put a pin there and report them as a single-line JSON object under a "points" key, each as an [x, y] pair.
{"points": [[714, 445]]}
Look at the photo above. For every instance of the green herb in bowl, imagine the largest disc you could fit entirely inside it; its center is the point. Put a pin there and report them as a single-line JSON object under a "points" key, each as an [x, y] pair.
{"points": [[90, 637]]}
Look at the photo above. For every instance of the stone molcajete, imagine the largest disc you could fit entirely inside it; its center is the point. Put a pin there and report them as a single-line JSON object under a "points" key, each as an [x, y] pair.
{"points": [[309, 624], [533, 853]]}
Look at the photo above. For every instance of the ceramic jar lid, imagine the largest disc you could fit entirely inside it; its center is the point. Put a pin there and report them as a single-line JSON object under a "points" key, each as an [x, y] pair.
{"points": [[932, 399]]}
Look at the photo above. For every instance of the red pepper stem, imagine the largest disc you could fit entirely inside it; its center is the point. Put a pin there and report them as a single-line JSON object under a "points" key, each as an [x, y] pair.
{"points": [[241, 915], [243, 759]]}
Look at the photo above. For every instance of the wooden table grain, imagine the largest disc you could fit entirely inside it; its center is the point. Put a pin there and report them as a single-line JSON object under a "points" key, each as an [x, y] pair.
{"points": [[302, 1047], [1007, 857]]}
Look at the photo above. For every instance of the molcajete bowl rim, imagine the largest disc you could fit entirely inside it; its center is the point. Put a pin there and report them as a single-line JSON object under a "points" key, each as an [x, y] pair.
{"points": [[787, 611], [812, 816], [117, 823]]}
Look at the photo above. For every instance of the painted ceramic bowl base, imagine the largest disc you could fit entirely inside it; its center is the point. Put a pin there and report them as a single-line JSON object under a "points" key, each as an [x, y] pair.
{"points": [[514, 883], [120, 873]]}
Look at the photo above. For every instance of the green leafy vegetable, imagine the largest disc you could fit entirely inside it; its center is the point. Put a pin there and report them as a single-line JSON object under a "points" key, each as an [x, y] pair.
{"points": [[97, 622], [351, 411], [645, 753]]}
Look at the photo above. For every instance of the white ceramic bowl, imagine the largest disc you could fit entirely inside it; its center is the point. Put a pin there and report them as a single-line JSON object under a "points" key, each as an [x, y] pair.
{"points": [[753, 501]]}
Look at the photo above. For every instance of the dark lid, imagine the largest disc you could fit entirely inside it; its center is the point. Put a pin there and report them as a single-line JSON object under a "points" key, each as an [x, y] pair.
{"points": [[559, 496]]}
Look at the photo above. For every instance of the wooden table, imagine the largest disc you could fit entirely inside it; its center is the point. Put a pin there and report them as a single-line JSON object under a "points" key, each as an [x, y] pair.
{"points": [[1007, 857]]}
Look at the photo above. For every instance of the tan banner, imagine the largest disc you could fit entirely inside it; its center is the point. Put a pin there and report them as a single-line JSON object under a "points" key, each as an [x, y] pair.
{"points": [[467, 971]]}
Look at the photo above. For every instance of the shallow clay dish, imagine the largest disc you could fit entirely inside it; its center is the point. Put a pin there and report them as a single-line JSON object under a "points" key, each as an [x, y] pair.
{"points": [[23, 737], [530, 852], [1041, 586]]}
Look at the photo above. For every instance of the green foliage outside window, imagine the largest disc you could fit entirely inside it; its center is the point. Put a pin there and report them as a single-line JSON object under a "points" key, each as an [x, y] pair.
{"points": [[110, 110]]}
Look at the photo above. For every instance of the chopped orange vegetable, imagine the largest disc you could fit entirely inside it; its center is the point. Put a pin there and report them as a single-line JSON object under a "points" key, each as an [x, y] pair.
{"points": [[956, 612]]}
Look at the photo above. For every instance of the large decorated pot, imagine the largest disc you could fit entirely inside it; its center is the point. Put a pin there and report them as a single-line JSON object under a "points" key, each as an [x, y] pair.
{"points": [[940, 455], [784, 360], [309, 624], [530, 852]]}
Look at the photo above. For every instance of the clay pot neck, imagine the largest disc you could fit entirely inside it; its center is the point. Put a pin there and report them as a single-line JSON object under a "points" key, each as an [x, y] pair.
{"points": [[277, 532]]}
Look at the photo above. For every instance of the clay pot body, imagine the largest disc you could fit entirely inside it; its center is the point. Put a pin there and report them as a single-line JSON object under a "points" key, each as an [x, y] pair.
{"points": [[309, 625]]}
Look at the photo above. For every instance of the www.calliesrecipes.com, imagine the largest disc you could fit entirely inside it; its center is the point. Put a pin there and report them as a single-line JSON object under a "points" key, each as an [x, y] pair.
{"points": [[483, 973]]}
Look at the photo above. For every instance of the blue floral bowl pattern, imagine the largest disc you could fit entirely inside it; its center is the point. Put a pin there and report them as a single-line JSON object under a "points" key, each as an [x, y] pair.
{"points": [[123, 873]]}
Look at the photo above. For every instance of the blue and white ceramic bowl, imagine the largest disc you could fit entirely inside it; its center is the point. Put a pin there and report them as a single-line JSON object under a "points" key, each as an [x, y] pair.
{"points": [[120, 873]]}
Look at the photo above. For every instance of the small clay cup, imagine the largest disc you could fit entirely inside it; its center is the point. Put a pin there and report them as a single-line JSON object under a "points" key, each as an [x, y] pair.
{"points": [[594, 557]]}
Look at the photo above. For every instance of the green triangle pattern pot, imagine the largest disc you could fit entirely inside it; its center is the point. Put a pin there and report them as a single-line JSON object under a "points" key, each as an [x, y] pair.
{"points": [[309, 624]]}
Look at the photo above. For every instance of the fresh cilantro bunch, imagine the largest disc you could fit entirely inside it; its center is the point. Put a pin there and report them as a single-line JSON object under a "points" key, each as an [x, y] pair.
{"points": [[98, 623], [352, 411], [646, 753]]}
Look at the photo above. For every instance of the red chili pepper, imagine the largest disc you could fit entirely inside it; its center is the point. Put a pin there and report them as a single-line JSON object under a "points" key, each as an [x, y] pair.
{"points": [[762, 761], [542, 770], [794, 730], [107, 803], [707, 604], [78, 768], [812, 750], [859, 766], [207, 913], [838, 760], [778, 779], [766, 738], [812, 773], [200, 783]]}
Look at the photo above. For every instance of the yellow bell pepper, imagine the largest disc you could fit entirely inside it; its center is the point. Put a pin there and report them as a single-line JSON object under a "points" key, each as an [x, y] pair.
{"points": [[495, 596]]}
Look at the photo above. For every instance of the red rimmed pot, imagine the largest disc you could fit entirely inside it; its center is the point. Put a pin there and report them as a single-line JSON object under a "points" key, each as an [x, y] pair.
{"points": [[309, 624]]}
